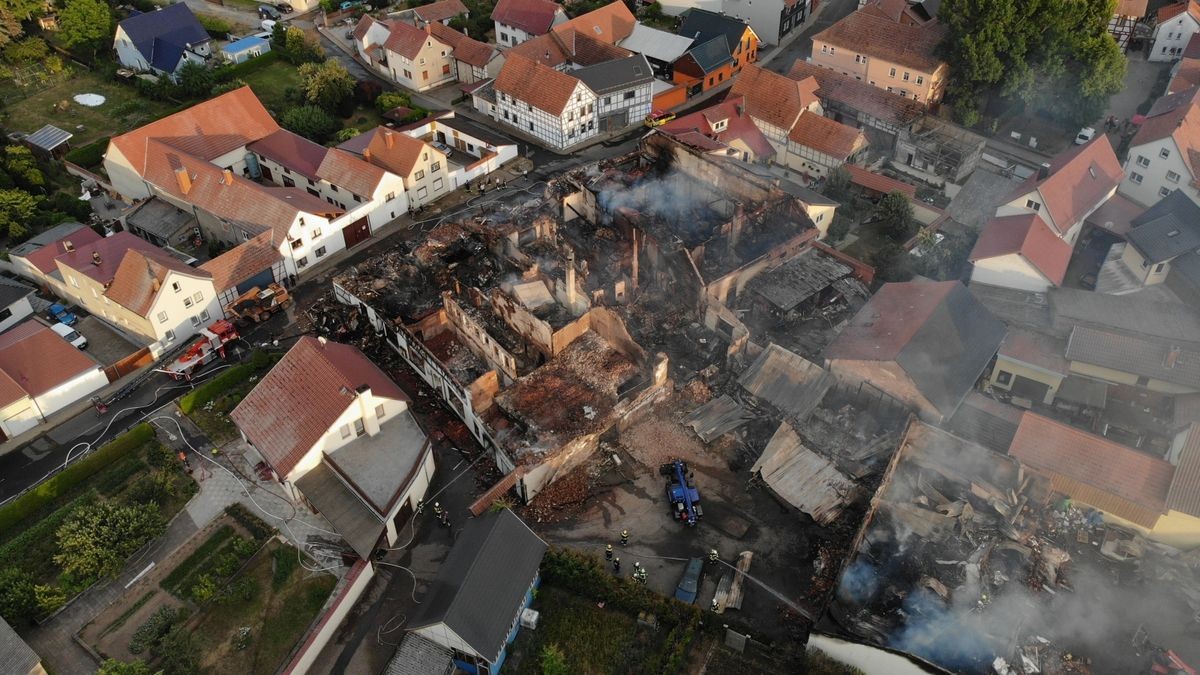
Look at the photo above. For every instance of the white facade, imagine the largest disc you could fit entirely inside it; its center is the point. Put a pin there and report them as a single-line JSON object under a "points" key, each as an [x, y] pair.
{"points": [[511, 36], [184, 305], [15, 313], [1035, 202], [131, 58], [1010, 271], [497, 155], [27, 412], [1154, 170], [576, 124], [1172, 35]]}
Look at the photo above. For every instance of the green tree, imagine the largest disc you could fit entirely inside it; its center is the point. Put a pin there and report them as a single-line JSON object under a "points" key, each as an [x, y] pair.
{"points": [[17, 207], [86, 24], [310, 122], [894, 217], [390, 100], [837, 183], [177, 652], [226, 87], [97, 539], [25, 9], [890, 263], [10, 26], [115, 667], [838, 229], [49, 598], [294, 46], [26, 50], [18, 603], [553, 661], [325, 84], [22, 167], [196, 80]]}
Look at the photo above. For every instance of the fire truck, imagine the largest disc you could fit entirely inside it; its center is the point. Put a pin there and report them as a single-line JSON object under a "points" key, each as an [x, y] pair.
{"points": [[209, 345]]}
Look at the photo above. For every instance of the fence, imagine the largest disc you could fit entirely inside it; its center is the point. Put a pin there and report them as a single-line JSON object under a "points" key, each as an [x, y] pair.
{"points": [[129, 364]]}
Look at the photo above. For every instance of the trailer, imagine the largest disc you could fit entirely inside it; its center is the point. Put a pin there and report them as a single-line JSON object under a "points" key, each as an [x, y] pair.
{"points": [[682, 492], [209, 345], [258, 304]]}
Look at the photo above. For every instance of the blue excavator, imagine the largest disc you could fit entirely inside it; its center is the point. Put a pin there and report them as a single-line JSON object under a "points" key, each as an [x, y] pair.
{"points": [[682, 492]]}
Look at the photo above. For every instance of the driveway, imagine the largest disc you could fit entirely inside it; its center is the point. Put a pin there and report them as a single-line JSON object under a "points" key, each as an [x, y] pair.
{"points": [[1140, 79], [104, 344]]}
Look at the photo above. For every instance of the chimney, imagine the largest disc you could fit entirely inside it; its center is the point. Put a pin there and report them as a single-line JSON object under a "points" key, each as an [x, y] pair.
{"points": [[1172, 358], [227, 177], [322, 340], [366, 154], [1043, 171], [68, 246], [155, 284], [634, 260], [184, 180], [95, 257], [387, 139], [735, 224], [571, 279]]}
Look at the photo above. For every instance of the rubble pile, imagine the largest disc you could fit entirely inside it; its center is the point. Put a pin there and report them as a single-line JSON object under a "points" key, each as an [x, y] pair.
{"points": [[562, 499]]}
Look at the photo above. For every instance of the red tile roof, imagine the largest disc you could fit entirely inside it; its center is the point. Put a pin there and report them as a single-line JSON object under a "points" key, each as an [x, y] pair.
{"points": [[1171, 11], [111, 251], [905, 44], [292, 150], [466, 49], [1184, 494], [347, 171], [1028, 235], [1110, 469], [43, 258], [389, 149], [243, 261], [696, 129], [1079, 179], [1035, 349], [364, 25], [301, 398], [880, 335], [35, 359], [567, 46], [1192, 50], [1134, 8], [773, 98], [140, 278], [609, 24], [405, 39], [827, 136], [206, 130], [532, 16], [835, 87], [443, 9], [540, 86], [878, 183], [1187, 76]]}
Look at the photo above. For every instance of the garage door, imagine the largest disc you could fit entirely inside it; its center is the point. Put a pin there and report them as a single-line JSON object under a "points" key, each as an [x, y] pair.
{"points": [[356, 232], [261, 280]]}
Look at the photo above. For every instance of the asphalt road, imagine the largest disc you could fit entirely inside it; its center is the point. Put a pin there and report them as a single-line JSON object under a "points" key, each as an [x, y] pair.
{"points": [[800, 47]]}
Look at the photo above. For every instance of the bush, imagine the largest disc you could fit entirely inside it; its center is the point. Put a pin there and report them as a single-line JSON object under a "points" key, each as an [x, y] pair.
{"points": [[149, 633], [18, 601], [390, 100], [51, 489], [366, 91], [286, 561], [203, 590], [216, 27], [253, 524], [49, 598], [553, 661], [310, 121], [838, 229], [97, 539], [89, 156], [227, 380], [40, 535]]}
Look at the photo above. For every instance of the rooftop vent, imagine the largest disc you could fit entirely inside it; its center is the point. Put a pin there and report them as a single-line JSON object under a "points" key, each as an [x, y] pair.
{"points": [[96, 257]]}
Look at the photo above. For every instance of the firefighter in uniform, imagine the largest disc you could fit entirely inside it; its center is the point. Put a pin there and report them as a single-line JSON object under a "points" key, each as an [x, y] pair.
{"points": [[624, 537], [437, 509], [608, 553], [617, 565], [713, 556]]}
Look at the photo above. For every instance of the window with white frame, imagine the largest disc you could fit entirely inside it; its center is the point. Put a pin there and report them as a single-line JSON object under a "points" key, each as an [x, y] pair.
{"points": [[419, 174], [379, 411], [175, 286], [198, 296], [1136, 178], [169, 336], [892, 72], [302, 262], [1172, 176], [162, 317], [1035, 206], [187, 302], [1164, 153], [345, 430], [1163, 192], [422, 192], [1143, 161], [320, 252], [204, 316], [195, 321]]}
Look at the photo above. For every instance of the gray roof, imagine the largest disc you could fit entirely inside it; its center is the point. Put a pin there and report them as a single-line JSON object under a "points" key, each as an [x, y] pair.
{"points": [[805, 194], [1015, 307], [1168, 229], [16, 657], [419, 656], [985, 421], [49, 236], [12, 291], [656, 44], [1072, 307], [615, 75], [482, 583], [1083, 390], [717, 417], [711, 54], [474, 130], [702, 25], [351, 517], [380, 466], [159, 218], [798, 279], [803, 478], [48, 137], [1142, 356], [787, 380]]}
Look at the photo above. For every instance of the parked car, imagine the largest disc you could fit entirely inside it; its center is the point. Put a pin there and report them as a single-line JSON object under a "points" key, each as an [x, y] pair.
{"points": [[70, 335], [269, 12], [268, 25], [659, 118], [349, 5], [284, 7], [1085, 134], [689, 585], [61, 314]]}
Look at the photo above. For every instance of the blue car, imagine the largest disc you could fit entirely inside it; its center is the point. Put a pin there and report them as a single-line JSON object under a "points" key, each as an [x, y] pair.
{"points": [[62, 315], [689, 585]]}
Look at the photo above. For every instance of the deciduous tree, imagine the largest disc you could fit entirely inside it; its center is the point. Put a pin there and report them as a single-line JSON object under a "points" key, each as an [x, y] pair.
{"points": [[86, 24], [326, 84], [97, 539]]}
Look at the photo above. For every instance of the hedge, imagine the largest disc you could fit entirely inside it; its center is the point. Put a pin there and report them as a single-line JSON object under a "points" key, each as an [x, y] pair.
{"points": [[91, 155], [259, 361], [235, 70], [51, 489], [17, 551]]}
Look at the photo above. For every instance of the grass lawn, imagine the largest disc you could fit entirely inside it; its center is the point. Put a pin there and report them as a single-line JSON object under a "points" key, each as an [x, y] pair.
{"points": [[277, 612], [214, 421], [593, 640], [364, 118], [270, 80], [122, 110]]}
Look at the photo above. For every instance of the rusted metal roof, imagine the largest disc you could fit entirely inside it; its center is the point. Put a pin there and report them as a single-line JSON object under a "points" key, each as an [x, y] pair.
{"points": [[803, 478]]}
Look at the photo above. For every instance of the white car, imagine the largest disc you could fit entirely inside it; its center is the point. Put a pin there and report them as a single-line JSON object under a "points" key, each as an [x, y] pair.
{"points": [[70, 335], [1085, 134], [268, 25]]}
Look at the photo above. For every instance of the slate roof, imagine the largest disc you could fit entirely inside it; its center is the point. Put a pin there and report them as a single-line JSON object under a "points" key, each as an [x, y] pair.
{"points": [[483, 581], [702, 25], [1184, 494], [827, 136], [16, 657], [656, 44], [53, 243], [1078, 180], [1028, 235], [542, 87], [904, 44], [710, 55], [298, 401], [532, 16], [604, 78], [441, 10], [162, 35], [1098, 472], [773, 98], [333, 498], [35, 359], [1146, 357], [1072, 307], [938, 333], [858, 95], [1168, 229]]}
